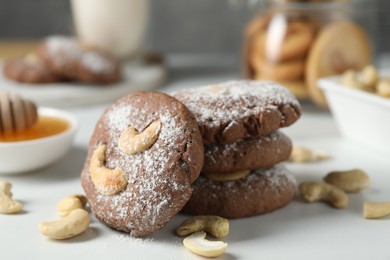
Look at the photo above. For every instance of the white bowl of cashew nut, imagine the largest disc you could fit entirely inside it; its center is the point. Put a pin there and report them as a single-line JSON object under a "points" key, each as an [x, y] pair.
{"points": [[27, 153], [360, 104]]}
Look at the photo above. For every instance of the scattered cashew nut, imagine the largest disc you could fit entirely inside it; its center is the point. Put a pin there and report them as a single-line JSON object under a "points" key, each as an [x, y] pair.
{"points": [[66, 205], [214, 225], [132, 142], [230, 176], [6, 187], [7, 204], [376, 209], [317, 191], [349, 181], [74, 224], [301, 154], [106, 181], [198, 244]]}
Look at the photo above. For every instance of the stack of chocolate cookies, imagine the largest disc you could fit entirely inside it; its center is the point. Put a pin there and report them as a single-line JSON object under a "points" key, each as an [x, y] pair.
{"points": [[218, 151], [242, 174]]}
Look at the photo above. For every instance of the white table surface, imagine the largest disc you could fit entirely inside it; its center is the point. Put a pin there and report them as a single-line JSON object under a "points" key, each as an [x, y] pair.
{"points": [[298, 231]]}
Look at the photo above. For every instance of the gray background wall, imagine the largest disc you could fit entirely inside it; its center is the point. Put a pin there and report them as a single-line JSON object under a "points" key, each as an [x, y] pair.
{"points": [[176, 26]]}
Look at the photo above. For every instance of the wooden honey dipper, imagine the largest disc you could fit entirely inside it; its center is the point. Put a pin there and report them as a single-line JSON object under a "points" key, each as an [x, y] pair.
{"points": [[16, 113]]}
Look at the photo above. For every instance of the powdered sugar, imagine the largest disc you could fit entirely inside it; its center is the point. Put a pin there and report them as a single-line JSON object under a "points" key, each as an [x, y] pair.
{"points": [[226, 149], [97, 63], [62, 49], [276, 174], [248, 153], [125, 238], [262, 191], [239, 99], [65, 50], [117, 119], [145, 248]]}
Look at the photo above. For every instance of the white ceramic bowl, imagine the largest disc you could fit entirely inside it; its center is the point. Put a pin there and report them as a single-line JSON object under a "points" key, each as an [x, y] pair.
{"points": [[360, 116], [24, 156]]}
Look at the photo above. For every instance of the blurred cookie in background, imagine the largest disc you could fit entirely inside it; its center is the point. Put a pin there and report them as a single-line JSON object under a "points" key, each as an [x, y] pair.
{"points": [[66, 57], [29, 69], [63, 58]]}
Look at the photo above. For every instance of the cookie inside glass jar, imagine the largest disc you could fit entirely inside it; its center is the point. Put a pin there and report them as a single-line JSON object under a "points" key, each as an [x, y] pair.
{"points": [[297, 42]]}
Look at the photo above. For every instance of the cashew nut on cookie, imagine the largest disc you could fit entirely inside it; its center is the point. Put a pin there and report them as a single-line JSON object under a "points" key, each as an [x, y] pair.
{"points": [[106, 181], [132, 142]]}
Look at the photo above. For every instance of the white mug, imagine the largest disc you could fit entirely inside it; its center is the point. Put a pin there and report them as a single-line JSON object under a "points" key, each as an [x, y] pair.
{"points": [[115, 25]]}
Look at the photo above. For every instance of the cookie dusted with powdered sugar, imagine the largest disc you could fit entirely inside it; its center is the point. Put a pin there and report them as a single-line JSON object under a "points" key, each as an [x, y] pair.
{"points": [[143, 156], [260, 192], [66, 57], [29, 69], [233, 110], [250, 153]]}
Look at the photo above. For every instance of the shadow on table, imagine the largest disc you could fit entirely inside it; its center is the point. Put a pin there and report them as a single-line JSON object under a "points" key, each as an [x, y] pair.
{"points": [[67, 168]]}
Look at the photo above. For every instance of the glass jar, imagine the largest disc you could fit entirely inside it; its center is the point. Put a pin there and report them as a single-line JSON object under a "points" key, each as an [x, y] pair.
{"points": [[297, 42]]}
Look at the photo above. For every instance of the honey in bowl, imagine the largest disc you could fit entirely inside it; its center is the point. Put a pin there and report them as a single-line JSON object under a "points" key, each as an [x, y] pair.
{"points": [[45, 126]]}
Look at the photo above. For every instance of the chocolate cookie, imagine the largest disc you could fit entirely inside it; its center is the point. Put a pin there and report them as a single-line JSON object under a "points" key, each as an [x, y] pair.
{"points": [[29, 69], [233, 110], [249, 153], [262, 191], [66, 57], [144, 154]]}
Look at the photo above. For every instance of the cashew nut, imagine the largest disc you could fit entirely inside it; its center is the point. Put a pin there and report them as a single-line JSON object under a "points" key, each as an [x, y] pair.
{"points": [[369, 77], [350, 79], [383, 88], [368, 80], [301, 154], [316, 191], [376, 209], [74, 224], [66, 205], [214, 225], [198, 244], [230, 176], [217, 89], [6, 187], [31, 59], [132, 142], [7, 204], [106, 181], [349, 181]]}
